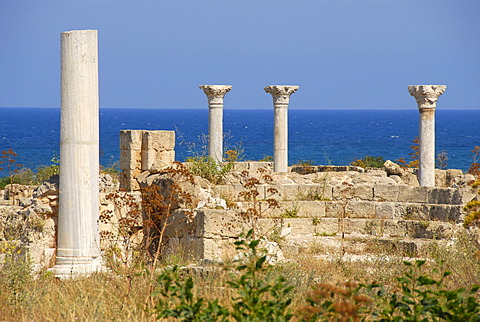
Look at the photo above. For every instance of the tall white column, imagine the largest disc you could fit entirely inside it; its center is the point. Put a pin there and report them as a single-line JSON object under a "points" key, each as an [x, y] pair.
{"points": [[281, 98], [426, 97], [78, 240], [215, 94]]}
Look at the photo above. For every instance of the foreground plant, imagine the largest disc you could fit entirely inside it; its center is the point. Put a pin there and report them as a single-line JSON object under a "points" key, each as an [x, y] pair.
{"points": [[258, 298]]}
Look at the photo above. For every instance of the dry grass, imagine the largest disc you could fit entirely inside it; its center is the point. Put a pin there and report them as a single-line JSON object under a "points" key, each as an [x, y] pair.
{"points": [[108, 296]]}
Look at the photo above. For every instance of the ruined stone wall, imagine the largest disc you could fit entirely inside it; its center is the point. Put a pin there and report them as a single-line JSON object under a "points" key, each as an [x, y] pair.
{"points": [[142, 150]]}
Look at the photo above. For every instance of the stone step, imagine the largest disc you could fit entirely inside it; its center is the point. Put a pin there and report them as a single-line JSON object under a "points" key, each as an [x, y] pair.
{"points": [[358, 209], [358, 192], [378, 228], [355, 245]]}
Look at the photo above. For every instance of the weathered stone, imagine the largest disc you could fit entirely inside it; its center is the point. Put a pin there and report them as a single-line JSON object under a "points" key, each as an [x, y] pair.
{"points": [[350, 191], [130, 159], [393, 168], [385, 192], [158, 140], [156, 161], [131, 139], [360, 209], [412, 194]]}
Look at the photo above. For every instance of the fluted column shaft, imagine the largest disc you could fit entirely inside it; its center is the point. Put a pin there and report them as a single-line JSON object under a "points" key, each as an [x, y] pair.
{"points": [[78, 239], [426, 97], [281, 98], [215, 94]]}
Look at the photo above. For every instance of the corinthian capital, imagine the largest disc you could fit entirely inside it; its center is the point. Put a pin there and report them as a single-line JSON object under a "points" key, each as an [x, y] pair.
{"points": [[426, 95], [281, 93], [215, 93]]}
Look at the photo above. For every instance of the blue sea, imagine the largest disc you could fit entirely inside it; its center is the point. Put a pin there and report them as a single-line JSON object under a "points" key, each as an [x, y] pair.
{"points": [[335, 137]]}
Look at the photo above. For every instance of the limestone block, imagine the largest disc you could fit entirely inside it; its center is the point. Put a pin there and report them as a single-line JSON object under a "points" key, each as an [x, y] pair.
{"points": [[253, 167], [440, 178], [219, 249], [456, 213], [440, 212], [315, 191], [213, 223], [158, 140], [394, 228], [127, 180], [360, 209], [360, 191], [226, 192], [385, 192], [417, 212], [130, 159], [451, 175], [131, 139], [310, 209], [447, 196], [389, 210], [335, 209], [286, 191], [154, 161], [413, 194]]}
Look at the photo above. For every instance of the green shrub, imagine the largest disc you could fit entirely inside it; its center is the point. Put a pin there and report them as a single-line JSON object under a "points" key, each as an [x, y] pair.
{"points": [[369, 162]]}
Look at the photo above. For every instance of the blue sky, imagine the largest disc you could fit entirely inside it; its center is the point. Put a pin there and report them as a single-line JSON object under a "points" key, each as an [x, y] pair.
{"points": [[344, 54]]}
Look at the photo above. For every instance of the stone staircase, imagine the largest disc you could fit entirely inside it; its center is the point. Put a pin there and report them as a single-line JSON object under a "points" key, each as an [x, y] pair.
{"points": [[325, 219]]}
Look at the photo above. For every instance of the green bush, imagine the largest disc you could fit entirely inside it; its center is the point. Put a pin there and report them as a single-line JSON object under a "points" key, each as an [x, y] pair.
{"points": [[369, 162]]}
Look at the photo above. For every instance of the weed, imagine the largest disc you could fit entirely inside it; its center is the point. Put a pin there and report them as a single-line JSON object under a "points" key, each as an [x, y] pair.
{"points": [[442, 160], [291, 212]]}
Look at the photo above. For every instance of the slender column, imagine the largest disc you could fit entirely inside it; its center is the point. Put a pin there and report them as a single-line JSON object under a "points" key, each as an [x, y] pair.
{"points": [[78, 239], [215, 94], [426, 96], [281, 98]]}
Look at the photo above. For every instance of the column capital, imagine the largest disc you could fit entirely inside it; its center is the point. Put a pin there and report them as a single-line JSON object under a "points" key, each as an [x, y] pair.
{"points": [[426, 95], [281, 93], [215, 93]]}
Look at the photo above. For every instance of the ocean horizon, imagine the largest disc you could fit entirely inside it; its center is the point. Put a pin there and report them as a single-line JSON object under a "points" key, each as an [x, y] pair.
{"points": [[328, 137]]}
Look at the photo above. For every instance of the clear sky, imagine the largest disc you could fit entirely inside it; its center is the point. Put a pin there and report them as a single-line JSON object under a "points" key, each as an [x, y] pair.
{"points": [[344, 54]]}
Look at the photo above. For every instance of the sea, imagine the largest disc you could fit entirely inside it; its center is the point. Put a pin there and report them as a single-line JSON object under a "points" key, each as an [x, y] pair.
{"points": [[327, 137]]}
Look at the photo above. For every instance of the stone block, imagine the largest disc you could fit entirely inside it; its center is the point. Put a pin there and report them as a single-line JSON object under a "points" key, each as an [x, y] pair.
{"points": [[385, 193], [310, 209], [315, 191], [213, 223], [128, 181], [451, 175], [360, 209], [412, 194], [360, 191], [131, 139], [130, 159], [154, 161], [416, 212], [190, 249], [446, 196], [440, 212], [335, 209], [440, 178], [158, 140], [389, 210], [286, 192]]}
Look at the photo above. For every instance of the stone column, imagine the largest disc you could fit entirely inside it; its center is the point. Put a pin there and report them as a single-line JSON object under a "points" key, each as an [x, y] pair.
{"points": [[78, 240], [215, 94], [281, 98], [426, 96]]}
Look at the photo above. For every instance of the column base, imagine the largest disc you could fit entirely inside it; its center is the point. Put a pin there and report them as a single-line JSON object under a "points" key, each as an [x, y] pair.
{"points": [[68, 267]]}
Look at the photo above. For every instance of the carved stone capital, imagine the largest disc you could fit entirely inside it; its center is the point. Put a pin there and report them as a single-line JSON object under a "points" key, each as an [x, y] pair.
{"points": [[215, 93], [426, 95], [281, 93]]}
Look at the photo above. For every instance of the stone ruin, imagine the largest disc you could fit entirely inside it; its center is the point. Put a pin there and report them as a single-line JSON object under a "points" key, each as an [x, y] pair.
{"points": [[325, 210]]}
